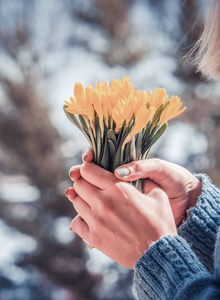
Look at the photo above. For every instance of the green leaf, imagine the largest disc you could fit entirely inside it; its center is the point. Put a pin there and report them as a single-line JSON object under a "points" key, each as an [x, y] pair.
{"points": [[152, 140], [138, 144], [139, 185], [91, 136], [123, 133], [119, 136], [74, 120], [144, 156], [111, 136], [146, 136], [83, 123], [112, 149], [133, 150], [146, 132], [119, 155], [103, 140], [105, 161], [126, 130], [153, 131], [116, 159], [157, 114], [98, 140], [158, 134], [127, 156]]}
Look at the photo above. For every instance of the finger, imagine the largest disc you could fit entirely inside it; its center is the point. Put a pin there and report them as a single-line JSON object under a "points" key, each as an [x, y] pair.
{"points": [[149, 185], [70, 193], [149, 168], [82, 208], [88, 192], [87, 155], [80, 227], [74, 173], [97, 176]]}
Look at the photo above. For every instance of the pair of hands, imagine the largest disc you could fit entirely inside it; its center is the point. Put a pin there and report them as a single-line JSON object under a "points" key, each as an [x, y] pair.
{"points": [[119, 220]]}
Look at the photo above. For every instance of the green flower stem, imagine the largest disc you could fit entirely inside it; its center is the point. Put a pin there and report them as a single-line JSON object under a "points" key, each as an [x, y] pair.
{"points": [[139, 185], [90, 131]]}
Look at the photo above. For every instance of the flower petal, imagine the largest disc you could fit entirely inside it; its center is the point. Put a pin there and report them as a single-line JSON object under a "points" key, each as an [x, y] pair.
{"points": [[143, 116]]}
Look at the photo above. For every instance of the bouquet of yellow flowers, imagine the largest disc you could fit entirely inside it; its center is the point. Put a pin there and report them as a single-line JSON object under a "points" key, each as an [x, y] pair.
{"points": [[120, 123]]}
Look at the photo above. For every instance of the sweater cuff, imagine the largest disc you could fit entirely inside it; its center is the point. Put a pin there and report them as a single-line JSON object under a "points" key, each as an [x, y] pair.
{"points": [[166, 269], [203, 220]]}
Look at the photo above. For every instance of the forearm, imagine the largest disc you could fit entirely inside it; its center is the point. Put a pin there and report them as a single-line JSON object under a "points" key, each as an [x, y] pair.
{"points": [[202, 224]]}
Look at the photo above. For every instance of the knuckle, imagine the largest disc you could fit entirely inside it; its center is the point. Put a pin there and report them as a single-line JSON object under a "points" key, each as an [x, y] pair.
{"points": [[159, 164], [157, 193], [95, 239], [78, 184], [138, 166], [101, 209], [76, 200], [121, 186], [122, 190], [96, 230], [156, 160], [98, 222], [85, 168], [104, 208]]}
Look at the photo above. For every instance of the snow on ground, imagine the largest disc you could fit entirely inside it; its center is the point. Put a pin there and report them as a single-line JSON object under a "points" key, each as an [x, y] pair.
{"points": [[12, 243]]}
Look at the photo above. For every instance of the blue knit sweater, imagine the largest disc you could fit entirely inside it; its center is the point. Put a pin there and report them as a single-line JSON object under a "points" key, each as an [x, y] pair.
{"points": [[186, 266]]}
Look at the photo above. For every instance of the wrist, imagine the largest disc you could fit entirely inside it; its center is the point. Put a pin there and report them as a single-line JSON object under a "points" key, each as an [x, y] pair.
{"points": [[194, 193]]}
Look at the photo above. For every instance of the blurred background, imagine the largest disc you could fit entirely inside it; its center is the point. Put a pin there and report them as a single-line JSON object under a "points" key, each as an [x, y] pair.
{"points": [[45, 47]]}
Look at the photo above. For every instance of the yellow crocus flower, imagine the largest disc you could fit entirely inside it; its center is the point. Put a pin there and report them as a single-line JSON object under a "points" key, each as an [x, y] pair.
{"points": [[172, 110], [143, 116], [118, 108], [123, 87]]}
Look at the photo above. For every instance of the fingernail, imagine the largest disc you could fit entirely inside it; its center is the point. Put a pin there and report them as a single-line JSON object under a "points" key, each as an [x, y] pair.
{"points": [[66, 192], [84, 155], [70, 228], [122, 172], [71, 174]]}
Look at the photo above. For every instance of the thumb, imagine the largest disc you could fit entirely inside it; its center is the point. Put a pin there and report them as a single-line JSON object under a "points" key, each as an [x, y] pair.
{"points": [[150, 168]]}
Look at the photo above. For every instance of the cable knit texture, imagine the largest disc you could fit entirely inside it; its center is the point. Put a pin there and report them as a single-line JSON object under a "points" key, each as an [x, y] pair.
{"points": [[202, 224], [217, 258], [171, 269]]}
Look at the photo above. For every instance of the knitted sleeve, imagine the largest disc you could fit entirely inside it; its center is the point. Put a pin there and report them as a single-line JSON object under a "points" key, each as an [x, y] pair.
{"points": [[170, 270], [202, 224]]}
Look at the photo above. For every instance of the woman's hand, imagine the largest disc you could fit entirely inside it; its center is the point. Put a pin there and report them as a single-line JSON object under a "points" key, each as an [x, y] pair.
{"points": [[179, 184], [115, 217]]}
